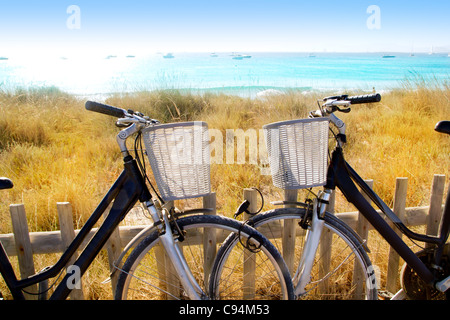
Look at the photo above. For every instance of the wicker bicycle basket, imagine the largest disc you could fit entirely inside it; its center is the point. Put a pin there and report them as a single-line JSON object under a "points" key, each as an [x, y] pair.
{"points": [[297, 152], [179, 156]]}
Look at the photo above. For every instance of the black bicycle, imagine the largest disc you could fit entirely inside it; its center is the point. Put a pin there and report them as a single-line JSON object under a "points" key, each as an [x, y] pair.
{"points": [[172, 257], [331, 259]]}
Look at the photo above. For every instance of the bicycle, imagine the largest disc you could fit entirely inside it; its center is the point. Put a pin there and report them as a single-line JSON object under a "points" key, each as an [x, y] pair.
{"points": [[298, 158], [167, 259]]}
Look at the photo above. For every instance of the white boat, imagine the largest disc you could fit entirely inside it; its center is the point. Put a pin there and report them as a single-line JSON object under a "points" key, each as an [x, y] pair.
{"points": [[241, 56], [213, 55], [169, 56]]}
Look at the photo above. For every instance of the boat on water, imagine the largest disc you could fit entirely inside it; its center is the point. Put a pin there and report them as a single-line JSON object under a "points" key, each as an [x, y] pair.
{"points": [[168, 56], [130, 56], [388, 56], [111, 57], [241, 56], [213, 55], [3, 58]]}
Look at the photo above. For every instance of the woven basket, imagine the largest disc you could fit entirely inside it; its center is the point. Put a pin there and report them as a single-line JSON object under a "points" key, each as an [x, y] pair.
{"points": [[297, 151], [179, 157]]}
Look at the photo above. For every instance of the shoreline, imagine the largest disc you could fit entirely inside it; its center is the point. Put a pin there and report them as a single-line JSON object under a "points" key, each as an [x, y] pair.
{"points": [[412, 83], [250, 92], [263, 74]]}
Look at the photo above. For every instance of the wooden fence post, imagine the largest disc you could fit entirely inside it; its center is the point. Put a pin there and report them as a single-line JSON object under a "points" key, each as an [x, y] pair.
{"points": [[249, 258], [289, 236], [399, 210], [435, 211], [67, 235], [209, 238], [23, 246]]}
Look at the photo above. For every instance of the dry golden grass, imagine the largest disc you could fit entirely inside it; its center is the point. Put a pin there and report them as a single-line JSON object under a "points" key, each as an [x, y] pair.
{"points": [[54, 150]]}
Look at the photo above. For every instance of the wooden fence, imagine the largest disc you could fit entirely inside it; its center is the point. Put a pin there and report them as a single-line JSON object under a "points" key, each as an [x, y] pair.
{"points": [[24, 244]]}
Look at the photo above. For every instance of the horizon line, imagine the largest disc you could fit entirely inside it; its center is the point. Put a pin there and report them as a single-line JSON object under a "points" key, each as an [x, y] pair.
{"points": [[145, 52]]}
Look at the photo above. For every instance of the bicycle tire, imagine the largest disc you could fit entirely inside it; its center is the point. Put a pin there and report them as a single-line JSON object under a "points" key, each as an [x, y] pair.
{"points": [[334, 283], [163, 284]]}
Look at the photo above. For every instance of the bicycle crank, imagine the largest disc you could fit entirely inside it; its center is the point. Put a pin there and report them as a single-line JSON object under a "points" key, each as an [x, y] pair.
{"points": [[414, 287]]}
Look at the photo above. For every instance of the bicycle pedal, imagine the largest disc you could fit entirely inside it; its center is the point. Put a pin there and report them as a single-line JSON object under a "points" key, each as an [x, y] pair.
{"points": [[385, 295], [443, 285]]}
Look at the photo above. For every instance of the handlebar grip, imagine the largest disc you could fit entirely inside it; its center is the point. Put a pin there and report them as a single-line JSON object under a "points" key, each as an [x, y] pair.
{"points": [[105, 109], [368, 98]]}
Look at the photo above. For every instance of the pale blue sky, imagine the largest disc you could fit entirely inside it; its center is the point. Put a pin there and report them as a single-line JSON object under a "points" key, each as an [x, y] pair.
{"points": [[225, 25]]}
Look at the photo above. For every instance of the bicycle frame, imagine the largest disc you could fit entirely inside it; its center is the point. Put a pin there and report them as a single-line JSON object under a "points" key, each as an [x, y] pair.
{"points": [[125, 192], [341, 175]]}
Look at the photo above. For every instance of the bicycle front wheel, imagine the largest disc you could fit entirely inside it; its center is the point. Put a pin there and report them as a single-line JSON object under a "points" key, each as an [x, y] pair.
{"points": [[342, 269], [148, 273]]}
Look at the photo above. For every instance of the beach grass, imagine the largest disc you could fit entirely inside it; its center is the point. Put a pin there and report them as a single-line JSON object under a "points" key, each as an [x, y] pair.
{"points": [[56, 151]]}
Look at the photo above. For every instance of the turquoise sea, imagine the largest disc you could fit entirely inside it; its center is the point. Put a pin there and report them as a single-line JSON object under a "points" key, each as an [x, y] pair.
{"points": [[247, 75]]}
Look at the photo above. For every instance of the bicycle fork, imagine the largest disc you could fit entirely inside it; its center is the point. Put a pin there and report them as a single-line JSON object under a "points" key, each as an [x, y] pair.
{"points": [[174, 253], [303, 274]]}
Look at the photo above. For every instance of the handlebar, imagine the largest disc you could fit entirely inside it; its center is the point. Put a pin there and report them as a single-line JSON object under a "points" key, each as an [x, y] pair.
{"points": [[105, 109], [341, 103], [131, 121], [125, 117], [367, 98]]}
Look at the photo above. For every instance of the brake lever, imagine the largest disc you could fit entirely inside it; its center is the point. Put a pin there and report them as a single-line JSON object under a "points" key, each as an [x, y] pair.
{"points": [[122, 125], [126, 122], [347, 110]]}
